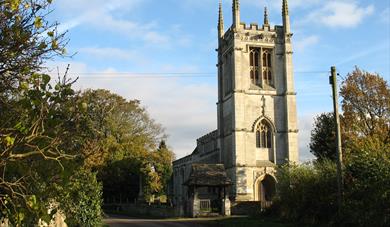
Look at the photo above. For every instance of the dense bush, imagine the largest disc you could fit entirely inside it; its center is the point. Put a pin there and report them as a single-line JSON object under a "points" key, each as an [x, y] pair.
{"points": [[308, 193], [367, 189], [81, 200]]}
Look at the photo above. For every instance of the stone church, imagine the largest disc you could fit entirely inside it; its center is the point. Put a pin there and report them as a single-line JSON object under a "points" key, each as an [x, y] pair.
{"points": [[257, 122]]}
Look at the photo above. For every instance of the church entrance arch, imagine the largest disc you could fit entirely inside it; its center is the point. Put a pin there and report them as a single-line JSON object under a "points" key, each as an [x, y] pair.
{"points": [[265, 189]]}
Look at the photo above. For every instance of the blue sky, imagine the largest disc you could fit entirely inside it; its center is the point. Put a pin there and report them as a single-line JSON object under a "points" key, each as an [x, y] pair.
{"points": [[119, 44]]}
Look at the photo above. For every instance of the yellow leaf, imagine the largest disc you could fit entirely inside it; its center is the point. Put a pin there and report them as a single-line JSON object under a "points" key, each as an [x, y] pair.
{"points": [[38, 22]]}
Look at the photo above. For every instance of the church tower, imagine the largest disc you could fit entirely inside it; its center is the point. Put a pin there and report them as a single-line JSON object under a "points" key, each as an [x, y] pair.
{"points": [[257, 119]]}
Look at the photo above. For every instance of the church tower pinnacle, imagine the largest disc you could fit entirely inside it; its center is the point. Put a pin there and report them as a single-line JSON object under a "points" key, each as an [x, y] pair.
{"points": [[236, 13], [286, 17], [266, 21], [220, 21]]}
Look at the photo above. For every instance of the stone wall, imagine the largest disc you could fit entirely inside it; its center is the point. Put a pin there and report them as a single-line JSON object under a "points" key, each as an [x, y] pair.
{"points": [[142, 210]]}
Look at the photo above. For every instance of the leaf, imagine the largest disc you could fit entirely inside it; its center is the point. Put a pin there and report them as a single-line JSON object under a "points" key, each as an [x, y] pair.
{"points": [[50, 34], [38, 22], [46, 78], [32, 202], [42, 45], [23, 86], [9, 140], [15, 5], [84, 106], [54, 44]]}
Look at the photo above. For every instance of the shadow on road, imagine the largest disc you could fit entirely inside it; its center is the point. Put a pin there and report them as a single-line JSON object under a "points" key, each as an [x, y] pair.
{"points": [[122, 221]]}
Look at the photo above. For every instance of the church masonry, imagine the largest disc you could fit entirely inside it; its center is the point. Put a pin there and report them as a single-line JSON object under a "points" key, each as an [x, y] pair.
{"points": [[257, 120]]}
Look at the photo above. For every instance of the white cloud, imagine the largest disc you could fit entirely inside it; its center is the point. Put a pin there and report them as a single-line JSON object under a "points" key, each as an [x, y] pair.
{"points": [[305, 126], [109, 16], [109, 53], [340, 14], [185, 108], [302, 44], [385, 16], [277, 5]]}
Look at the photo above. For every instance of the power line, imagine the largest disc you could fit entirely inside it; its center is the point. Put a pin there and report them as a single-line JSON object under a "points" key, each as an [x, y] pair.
{"points": [[166, 75]]}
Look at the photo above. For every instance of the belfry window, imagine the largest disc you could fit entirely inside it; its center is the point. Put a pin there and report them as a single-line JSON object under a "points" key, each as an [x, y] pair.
{"points": [[267, 58], [263, 135], [267, 67], [260, 60], [255, 65]]}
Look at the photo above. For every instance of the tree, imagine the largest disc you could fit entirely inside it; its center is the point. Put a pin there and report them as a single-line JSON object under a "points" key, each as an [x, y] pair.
{"points": [[163, 158], [366, 110], [39, 146], [27, 39], [120, 129], [42, 123], [323, 137], [365, 121], [125, 139]]}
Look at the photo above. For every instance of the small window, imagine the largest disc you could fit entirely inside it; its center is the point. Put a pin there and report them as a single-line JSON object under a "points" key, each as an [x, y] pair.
{"points": [[263, 135]]}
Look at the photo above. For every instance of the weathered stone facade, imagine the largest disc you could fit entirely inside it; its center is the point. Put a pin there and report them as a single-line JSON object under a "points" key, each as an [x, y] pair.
{"points": [[257, 120]]}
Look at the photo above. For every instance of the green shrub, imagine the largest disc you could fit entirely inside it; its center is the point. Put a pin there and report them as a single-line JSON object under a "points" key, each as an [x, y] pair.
{"points": [[307, 193], [80, 200], [367, 189]]}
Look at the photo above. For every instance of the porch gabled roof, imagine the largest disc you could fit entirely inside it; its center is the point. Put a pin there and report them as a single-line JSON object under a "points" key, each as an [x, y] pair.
{"points": [[208, 175]]}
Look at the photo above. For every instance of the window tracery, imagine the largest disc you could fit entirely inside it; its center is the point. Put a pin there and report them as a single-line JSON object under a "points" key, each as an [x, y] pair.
{"points": [[260, 60], [263, 135]]}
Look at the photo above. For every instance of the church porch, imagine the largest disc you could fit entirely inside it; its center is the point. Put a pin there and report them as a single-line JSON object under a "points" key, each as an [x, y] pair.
{"points": [[207, 191]]}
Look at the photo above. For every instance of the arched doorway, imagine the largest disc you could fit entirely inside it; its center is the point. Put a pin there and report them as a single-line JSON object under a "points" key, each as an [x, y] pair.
{"points": [[266, 188]]}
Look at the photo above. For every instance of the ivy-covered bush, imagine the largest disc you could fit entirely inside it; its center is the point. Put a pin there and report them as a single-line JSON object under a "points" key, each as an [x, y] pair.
{"points": [[81, 200]]}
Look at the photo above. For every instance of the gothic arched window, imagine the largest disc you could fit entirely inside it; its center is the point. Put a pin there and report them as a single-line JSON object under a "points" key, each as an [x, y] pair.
{"points": [[263, 135], [267, 67], [267, 58], [254, 59]]}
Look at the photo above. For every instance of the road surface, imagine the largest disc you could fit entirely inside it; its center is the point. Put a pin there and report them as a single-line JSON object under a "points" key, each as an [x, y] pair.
{"points": [[122, 221]]}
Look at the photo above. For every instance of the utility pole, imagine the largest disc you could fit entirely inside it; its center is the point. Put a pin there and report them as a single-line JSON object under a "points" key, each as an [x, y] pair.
{"points": [[333, 82]]}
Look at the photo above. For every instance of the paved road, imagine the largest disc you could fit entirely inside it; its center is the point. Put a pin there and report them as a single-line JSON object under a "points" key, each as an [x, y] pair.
{"points": [[122, 221]]}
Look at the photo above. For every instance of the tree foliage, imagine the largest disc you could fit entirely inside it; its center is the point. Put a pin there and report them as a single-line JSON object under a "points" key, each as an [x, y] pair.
{"points": [[307, 193], [42, 122], [80, 199], [365, 120], [163, 158], [366, 110], [53, 139], [27, 39], [323, 137], [125, 142]]}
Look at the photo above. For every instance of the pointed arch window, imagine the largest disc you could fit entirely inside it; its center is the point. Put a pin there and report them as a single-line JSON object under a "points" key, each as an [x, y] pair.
{"points": [[254, 58], [267, 67], [263, 135]]}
